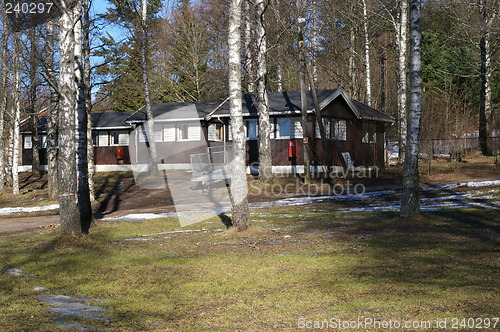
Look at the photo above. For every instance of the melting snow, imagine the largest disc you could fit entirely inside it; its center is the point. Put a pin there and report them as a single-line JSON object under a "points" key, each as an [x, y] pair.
{"points": [[10, 210]]}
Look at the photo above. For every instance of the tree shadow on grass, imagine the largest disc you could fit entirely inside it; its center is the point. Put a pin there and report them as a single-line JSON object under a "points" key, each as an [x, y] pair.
{"points": [[110, 203], [450, 252]]}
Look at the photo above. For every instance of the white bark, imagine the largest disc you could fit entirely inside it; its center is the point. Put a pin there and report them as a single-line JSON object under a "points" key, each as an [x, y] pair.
{"points": [[485, 107], [52, 123], [410, 203], [401, 23], [366, 37], [145, 82], [239, 186], [249, 46], [88, 97], [17, 114], [279, 76], [265, 157], [67, 175], [3, 101], [315, 42]]}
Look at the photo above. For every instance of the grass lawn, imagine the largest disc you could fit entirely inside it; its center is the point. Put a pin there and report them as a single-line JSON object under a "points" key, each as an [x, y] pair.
{"points": [[288, 266]]}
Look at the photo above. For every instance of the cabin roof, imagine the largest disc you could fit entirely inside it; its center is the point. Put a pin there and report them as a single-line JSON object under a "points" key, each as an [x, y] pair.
{"points": [[280, 103]]}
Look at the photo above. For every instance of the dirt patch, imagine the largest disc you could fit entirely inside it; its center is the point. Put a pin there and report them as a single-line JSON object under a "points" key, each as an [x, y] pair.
{"points": [[117, 193]]}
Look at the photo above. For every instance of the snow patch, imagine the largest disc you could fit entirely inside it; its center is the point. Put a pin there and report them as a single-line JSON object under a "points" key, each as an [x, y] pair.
{"points": [[10, 210], [142, 216]]}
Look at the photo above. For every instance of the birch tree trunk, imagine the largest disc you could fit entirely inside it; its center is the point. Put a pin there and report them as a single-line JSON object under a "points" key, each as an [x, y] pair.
{"points": [[52, 123], [248, 19], [485, 105], [88, 97], [314, 43], [145, 82], [303, 106], [33, 69], [82, 158], [279, 76], [3, 101], [402, 44], [410, 203], [67, 175], [366, 37], [265, 157], [239, 186], [17, 113], [352, 63]]}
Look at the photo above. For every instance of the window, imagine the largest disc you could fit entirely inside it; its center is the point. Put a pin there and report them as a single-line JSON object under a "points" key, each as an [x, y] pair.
{"points": [[369, 135], [341, 130], [143, 137], [189, 132], [327, 124], [169, 132], [252, 129], [119, 138], [158, 132], [289, 128], [334, 129], [215, 132], [183, 132], [27, 142], [43, 141], [103, 138]]}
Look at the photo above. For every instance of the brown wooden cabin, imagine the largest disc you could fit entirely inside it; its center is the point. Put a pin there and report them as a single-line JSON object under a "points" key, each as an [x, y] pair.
{"points": [[181, 129], [110, 136]]}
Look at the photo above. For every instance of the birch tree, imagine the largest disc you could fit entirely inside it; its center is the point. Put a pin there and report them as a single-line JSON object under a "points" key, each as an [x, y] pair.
{"points": [[401, 24], [32, 96], [3, 101], [88, 97], [487, 18], [239, 186], [366, 59], [410, 203], [82, 119], [17, 113], [145, 82], [67, 170], [265, 157], [248, 19], [52, 122]]}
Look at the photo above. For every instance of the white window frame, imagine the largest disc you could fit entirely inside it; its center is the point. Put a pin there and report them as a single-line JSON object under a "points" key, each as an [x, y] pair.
{"points": [[27, 144], [121, 140], [193, 132], [327, 124], [101, 135], [295, 128], [43, 141], [255, 124], [215, 132]]}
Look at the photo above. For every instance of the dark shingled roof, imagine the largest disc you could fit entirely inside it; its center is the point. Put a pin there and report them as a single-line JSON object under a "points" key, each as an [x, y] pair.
{"points": [[368, 113], [99, 120], [279, 103], [110, 119], [202, 108]]}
